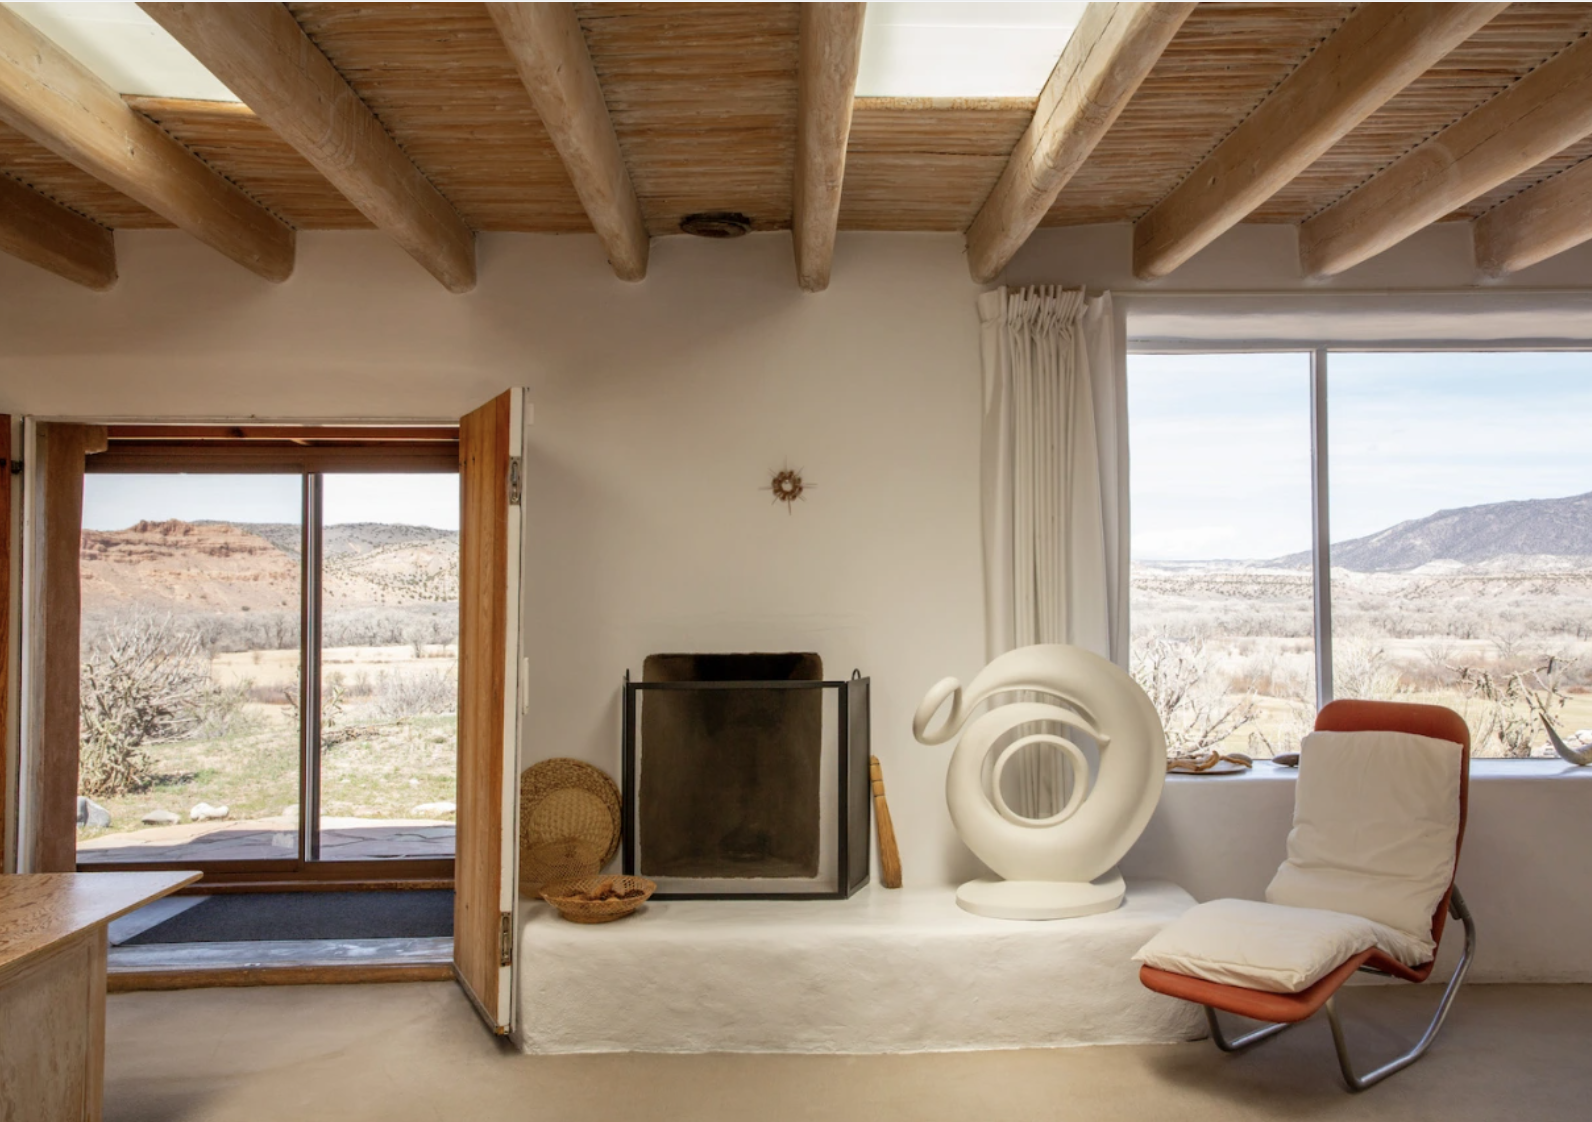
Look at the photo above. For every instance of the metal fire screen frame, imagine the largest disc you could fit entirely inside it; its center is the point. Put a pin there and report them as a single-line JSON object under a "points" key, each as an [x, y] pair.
{"points": [[853, 811]]}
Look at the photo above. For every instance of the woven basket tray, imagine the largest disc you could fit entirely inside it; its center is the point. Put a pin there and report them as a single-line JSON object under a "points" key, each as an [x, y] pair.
{"points": [[568, 897]]}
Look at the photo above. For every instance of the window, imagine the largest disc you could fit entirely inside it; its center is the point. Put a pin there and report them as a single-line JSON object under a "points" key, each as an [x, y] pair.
{"points": [[1223, 636], [1460, 523], [227, 590]]}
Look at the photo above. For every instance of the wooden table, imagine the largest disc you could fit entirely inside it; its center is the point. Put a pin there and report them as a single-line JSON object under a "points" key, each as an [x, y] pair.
{"points": [[52, 987]]}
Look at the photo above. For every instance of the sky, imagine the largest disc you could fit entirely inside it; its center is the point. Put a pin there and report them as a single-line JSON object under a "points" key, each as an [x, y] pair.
{"points": [[1219, 445], [114, 502]]}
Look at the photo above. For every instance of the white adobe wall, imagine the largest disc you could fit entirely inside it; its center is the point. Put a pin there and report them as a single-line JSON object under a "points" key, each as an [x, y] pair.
{"points": [[660, 407]]}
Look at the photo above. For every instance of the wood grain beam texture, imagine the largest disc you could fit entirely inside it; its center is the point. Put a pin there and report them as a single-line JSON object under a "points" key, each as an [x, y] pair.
{"points": [[1378, 51], [42, 232], [54, 100], [549, 50], [1542, 114], [1537, 224], [831, 50], [1108, 56], [263, 56]]}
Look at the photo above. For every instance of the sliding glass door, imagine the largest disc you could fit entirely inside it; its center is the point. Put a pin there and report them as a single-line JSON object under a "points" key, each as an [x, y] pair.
{"points": [[270, 668], [389, 666], [191, 659]]}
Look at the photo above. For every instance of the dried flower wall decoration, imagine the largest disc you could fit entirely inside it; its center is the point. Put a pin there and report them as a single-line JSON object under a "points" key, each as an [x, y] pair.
{"points": [[787, 486]]}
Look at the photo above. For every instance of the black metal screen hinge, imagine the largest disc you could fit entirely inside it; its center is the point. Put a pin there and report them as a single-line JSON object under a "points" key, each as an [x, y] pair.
{"points": [[506, 935], [16, 467], [516, 481]]}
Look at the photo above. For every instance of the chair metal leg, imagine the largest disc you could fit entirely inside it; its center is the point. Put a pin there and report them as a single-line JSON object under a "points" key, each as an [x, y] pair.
{"points": [[1238, 1044], [1457, 909]]}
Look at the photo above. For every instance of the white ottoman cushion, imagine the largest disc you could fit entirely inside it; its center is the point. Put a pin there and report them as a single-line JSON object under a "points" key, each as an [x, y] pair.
{"points": [[1258, 946], [1376, 819]]}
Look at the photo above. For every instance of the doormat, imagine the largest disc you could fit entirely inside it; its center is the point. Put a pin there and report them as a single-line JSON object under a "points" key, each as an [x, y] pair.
{"points": [[278, 916]]}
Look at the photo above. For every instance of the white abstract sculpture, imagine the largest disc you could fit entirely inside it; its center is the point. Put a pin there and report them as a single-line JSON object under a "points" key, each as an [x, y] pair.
{"points": [[1063, 865]]}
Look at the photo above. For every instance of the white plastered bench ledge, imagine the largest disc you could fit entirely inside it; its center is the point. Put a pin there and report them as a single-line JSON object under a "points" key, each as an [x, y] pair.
{"points": [[901, 970]]}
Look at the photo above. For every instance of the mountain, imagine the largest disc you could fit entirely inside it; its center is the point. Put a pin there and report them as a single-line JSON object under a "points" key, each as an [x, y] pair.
{"points": [[347, 537], [1470, 535], [212, 567]]}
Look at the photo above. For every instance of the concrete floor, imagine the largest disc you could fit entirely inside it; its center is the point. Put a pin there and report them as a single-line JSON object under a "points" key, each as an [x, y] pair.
{"points": [[415, 1053]]}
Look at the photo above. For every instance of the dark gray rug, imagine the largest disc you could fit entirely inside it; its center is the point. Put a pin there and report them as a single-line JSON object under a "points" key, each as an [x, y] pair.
{"points": [[276, 916]]}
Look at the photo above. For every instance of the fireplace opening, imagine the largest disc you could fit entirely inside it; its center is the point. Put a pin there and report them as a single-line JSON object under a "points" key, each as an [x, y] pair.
{"points": [[731, 787], [741, 774]]}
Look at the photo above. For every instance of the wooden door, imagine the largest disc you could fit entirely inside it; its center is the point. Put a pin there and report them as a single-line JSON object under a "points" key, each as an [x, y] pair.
{"points": [[7, 792], [484, 927]]}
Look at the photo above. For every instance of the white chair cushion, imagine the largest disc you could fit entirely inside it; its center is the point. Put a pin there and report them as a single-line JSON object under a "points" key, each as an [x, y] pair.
{"points": [[1258, 946], [1376, 822]]}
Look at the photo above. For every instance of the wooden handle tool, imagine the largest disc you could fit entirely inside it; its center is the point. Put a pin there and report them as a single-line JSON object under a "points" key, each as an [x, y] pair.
{"points": [[889, 855]]}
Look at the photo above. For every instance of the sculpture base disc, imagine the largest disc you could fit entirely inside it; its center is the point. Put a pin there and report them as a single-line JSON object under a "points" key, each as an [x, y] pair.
{"points": [[1042, 899]]}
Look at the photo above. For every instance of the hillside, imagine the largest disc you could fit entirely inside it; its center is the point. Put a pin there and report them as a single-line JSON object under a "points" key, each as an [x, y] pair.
{"points": [[215, 567], [1516, 534], [350, 537]]}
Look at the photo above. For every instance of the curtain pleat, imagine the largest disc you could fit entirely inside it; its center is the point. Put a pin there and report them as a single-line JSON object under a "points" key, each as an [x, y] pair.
{"points": [[1054, 487]]}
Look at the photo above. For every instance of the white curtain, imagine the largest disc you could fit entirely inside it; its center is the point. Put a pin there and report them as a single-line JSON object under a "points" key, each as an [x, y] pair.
{"points": [[1054, 485]]}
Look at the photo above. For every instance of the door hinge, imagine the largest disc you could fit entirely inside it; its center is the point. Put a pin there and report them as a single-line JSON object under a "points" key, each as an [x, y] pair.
{"points": [[506, 936], [516, 481]]}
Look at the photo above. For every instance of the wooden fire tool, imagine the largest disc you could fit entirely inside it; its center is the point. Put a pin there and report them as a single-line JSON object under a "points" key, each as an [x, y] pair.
{"points": [[889, 855]]}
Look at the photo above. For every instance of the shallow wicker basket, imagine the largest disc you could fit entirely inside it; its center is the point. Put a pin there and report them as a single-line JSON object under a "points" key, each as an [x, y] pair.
{"points": [[567, 896]]}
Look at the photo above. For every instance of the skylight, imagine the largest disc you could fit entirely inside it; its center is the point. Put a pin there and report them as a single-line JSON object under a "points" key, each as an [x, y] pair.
{"points": [[962, 49], [131, 52]]}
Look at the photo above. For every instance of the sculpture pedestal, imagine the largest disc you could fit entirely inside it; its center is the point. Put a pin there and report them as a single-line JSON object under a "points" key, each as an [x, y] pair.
{"points": [[1042, 899]]}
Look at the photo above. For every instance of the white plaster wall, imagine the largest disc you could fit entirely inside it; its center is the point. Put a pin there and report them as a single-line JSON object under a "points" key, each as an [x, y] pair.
{"points": [[660, 406], [660, 409]]}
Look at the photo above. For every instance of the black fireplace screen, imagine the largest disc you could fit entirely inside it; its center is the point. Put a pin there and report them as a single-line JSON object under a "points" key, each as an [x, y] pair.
{"points": [[746, 776]]}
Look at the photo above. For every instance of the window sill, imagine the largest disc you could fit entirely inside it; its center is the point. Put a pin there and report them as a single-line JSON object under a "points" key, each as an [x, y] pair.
{"points": [[1481, 771]]}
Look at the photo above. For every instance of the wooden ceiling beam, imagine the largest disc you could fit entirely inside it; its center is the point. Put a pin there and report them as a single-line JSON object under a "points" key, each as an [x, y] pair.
{"points": [[55, 101], [42, 232], [1378, 51], [1108, 56], [1540, 222], [1539, 116], [549, 50], [831, 49], [263, 56]]}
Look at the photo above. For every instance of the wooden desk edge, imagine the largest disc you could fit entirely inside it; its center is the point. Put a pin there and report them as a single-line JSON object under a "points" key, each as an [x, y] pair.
{"points": [[174, 880], [188, 877]]}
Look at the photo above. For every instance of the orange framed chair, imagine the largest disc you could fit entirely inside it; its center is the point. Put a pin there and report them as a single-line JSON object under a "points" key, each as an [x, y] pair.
{"points": [[1284, 1010]]}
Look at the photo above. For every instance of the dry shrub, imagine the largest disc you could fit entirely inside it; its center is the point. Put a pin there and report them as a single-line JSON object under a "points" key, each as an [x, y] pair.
{"points": [[1195, 711], [144, 680], [1504, 708], [425, 694]]}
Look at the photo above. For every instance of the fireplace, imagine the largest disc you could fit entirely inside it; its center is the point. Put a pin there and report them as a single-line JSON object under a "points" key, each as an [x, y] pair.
{"points": [[746, 775]]}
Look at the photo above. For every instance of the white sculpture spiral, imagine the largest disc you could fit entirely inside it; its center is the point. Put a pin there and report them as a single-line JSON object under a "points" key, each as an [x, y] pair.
{"points": [[1108, 808]]}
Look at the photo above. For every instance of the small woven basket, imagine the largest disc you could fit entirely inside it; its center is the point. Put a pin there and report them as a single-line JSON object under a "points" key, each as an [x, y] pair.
{"points": [[571, 900]]}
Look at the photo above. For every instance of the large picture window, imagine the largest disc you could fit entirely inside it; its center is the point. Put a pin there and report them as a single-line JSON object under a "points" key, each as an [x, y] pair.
{"points": [[1459, 569]]}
